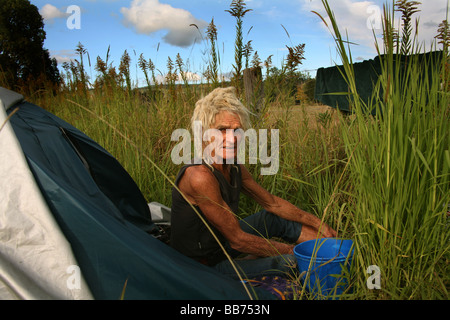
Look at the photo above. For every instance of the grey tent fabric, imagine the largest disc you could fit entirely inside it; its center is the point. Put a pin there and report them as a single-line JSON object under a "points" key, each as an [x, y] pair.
{"points": [[36, 260]]}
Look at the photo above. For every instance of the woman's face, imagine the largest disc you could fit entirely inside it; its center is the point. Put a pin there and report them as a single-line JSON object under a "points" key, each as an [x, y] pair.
{"points": [[226, 137]]}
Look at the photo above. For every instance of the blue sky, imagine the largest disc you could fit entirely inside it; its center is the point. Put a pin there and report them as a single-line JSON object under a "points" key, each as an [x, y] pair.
{"points": [[159, 29]]}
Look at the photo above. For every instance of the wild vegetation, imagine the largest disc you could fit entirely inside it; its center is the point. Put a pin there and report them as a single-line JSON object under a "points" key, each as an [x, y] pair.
{"points": [[381, 180]]}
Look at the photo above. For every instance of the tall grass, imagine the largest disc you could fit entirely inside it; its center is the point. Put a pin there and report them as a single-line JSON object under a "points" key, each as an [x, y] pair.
{"points": [[238, 10], [380, 180], [399, 168]]}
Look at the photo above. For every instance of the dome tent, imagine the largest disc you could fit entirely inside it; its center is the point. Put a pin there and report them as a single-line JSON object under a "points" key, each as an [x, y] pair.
{"points": [[68, 205]]}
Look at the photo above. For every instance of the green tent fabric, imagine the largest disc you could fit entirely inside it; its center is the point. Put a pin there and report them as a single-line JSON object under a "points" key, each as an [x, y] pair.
{"points": [[331, 85], [106, 219]]}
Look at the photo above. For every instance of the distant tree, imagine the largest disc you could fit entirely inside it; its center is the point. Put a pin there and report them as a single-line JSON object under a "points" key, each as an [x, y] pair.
{"points": [[283, 81], [23, 59], [309, 88]]}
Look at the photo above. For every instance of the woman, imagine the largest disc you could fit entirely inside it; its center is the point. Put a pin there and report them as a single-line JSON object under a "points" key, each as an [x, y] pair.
{"points": [[206, 200]]}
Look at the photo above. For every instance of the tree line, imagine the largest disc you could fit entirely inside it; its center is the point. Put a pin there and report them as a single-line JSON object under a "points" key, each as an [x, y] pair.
{"points": [[24, 62]]}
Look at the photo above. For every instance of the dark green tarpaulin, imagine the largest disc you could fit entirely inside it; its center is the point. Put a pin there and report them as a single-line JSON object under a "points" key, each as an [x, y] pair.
{"points": [[331, 85], [105, 217]]}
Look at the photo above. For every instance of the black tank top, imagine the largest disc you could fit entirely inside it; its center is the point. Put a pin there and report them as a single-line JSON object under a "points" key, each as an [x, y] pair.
{"points": [[189, 235]]}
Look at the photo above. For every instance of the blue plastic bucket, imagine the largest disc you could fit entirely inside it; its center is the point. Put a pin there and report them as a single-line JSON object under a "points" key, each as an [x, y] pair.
{"points": [[322, 262]]}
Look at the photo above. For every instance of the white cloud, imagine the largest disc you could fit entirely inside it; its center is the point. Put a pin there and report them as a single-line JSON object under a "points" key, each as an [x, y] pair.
{"points": [[190, 76], [432, 14], [353, 18], [150, 16], [63, 55], [50, 12]]}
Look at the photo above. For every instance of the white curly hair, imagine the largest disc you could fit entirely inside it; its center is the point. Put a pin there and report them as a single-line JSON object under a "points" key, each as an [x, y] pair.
{"points": [[220, 99]]}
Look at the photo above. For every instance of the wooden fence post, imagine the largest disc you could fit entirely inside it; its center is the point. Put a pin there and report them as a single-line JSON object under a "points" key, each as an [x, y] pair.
{"points": [[254, 89]]}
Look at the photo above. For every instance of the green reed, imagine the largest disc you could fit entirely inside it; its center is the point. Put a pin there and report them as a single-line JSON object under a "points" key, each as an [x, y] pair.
{"points": [[399, 169]]}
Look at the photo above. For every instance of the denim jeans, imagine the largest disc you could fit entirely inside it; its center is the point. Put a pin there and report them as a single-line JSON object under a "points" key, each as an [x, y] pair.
{"points": [[267, 225]]}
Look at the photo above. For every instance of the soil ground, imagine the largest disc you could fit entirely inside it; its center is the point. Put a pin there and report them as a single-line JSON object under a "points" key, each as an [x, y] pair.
{"points": [[298, 114]]}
